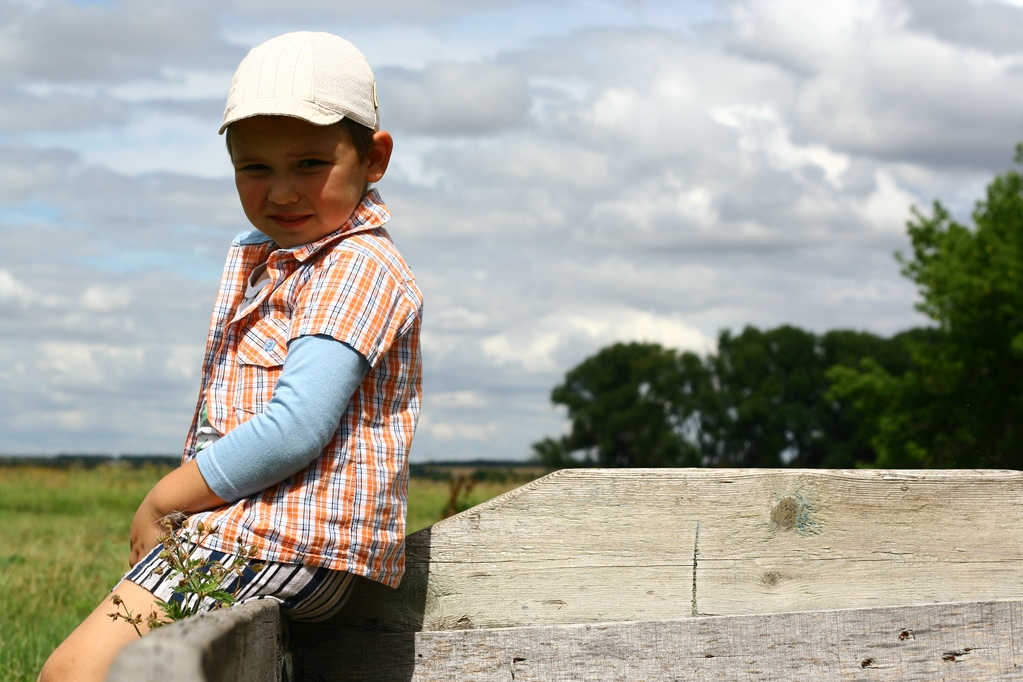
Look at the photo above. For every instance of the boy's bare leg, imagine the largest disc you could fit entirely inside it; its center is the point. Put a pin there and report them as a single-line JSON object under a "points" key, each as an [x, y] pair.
{"points": [[88, 652]]}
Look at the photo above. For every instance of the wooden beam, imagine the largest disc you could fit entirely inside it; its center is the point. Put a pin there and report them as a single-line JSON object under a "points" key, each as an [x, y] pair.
{"points": [[244, 643], [967, 642], [594, 545]]}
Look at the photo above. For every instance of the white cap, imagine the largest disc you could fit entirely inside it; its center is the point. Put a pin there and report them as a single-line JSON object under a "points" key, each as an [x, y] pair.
{"points": [[317, 77]]}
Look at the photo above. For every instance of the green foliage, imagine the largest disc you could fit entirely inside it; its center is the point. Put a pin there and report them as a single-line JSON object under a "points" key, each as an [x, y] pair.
{"points": [[625, 404], [769, 389], [758, 402], [198, 579], [961, 402]]}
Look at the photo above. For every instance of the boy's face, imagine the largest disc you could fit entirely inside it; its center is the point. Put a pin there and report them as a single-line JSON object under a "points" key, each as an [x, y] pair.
{"points": [[297, 181]]}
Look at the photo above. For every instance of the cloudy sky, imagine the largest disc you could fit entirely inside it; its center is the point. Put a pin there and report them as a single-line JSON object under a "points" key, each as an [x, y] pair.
{"points": [[567, 174]]}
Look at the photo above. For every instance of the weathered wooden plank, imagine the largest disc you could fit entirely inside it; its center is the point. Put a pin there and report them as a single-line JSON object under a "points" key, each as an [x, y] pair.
{"points": [[973, 641], [846, 539], [241, 644], [592, 545]]}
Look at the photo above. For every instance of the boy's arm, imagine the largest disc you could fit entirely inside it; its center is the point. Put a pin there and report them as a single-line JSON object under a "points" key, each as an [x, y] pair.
{"points": [[183, 489], [320, 376]]}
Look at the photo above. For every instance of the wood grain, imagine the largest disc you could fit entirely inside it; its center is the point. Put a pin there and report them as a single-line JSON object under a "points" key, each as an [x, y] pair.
{"points": [[968, 642], [589, 545]]}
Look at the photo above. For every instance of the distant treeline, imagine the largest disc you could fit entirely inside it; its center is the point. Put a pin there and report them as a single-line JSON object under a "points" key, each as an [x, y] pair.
{"points": [[761, 400], [480, 469], [89, 461], [495, 471]]}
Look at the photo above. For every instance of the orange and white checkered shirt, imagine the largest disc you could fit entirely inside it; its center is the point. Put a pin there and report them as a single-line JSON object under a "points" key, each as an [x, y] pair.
{"points": [[346, 510]]}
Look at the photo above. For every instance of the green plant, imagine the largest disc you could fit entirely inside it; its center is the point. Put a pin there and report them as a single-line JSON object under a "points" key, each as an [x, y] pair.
{"points": [[199, 579]]}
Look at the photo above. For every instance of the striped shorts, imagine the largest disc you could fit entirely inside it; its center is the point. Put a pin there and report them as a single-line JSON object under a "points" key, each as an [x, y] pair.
{"points": [[305, 593]]}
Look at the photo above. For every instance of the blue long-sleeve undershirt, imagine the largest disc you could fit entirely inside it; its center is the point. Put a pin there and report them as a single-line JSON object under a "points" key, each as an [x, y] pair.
{"points": [[320, 376]]}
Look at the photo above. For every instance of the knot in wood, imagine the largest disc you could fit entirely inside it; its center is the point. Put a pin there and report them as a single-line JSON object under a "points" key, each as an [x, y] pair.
{"points": [[785, 513]]}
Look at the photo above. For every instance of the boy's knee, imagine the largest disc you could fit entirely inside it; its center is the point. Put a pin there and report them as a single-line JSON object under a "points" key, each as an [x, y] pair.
{"points": [[48, 673], [56, 669], [65, 666]]}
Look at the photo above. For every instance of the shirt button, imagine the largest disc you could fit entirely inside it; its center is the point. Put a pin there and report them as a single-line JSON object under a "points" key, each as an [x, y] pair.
{"points": [[269, 344]]}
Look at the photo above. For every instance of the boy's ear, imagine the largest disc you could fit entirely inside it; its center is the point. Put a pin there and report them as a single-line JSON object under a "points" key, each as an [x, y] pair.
{"points": [[379, 155]]}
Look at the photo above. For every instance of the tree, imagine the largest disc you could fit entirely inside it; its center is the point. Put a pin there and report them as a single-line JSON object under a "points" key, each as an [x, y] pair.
{"points": [[628, 406], [766, 386], [849, 435], [758, 402], [768, 406], [961, 402]]}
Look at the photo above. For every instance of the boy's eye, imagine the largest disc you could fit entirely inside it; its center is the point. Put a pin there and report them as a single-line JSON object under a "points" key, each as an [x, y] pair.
{"points": [[252, 168], [311, 163]]}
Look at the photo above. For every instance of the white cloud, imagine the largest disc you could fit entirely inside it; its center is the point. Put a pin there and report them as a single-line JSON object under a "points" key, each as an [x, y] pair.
{"points": [[173, 143], [533, 354], [762, 132], [12, 291], [26, 172], [459, 399], [102, 299], [453, 431], [455, 99], [816, 40], [65, 42], [668, 330], [537, 349], [887, 208]]}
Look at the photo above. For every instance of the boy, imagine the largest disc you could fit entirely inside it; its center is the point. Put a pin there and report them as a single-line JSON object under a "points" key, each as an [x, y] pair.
{"points": [[311, 378]]}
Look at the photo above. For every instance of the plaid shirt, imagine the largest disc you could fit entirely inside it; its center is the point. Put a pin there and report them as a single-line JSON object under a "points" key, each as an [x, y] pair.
{"points": [[346, 510]]}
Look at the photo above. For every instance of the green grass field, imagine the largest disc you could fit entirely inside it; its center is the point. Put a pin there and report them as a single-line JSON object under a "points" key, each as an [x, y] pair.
{"points": [[64, 540]]}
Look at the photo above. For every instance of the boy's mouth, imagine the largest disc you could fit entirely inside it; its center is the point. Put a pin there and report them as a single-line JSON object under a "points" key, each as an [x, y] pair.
{"points": [[290, 220]]}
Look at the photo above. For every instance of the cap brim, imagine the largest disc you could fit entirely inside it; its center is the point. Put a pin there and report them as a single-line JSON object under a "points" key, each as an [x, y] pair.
{"points": [[278, 106]]}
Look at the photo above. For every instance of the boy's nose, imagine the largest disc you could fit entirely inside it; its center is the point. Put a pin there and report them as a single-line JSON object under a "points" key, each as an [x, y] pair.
{"points": [[282, 193]]}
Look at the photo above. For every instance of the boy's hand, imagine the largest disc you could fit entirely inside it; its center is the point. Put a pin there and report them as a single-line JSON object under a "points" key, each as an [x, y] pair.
{"points": [[182, 490], [146, 529]]}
